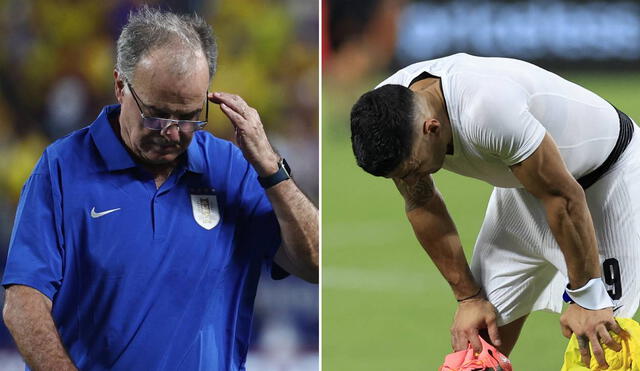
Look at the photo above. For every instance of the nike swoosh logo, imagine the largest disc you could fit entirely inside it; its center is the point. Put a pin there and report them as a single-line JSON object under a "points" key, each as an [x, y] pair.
{"points": [[94, 214], [616, 308]]}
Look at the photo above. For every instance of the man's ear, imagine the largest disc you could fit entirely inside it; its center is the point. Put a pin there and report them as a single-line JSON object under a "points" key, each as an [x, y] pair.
{"points": [[431, 126], [119, 85]]}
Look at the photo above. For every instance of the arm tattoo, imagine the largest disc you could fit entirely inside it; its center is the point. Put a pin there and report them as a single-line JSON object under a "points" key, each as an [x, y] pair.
{"points": [[416, 193]]}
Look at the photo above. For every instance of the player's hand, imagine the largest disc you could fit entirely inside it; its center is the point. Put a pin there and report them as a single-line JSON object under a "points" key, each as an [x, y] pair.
{"points": [[591, 327], [472, 316], [249, 132]]}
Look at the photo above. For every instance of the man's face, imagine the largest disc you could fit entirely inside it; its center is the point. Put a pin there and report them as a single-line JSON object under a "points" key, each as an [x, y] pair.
{"points": [[162, 93], [427, 153]]}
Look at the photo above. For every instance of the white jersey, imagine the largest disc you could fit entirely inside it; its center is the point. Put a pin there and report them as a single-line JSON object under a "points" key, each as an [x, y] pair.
{"points": [[501, 108]]}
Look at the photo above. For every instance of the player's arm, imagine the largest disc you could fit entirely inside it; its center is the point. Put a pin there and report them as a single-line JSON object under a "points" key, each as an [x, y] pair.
{"points": [[27, 314], [297, 216], [437, 234], [545, 175]]}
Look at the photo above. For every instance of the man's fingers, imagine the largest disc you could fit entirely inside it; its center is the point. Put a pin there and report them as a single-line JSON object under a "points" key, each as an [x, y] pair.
{"points": [[231, 114], [458, 340], [597, 351], [214, 98], [472, 337], [222, 97], [605, 338], [583, 346], [615, 327], [231, 100], [494, 334], [566, 331]]}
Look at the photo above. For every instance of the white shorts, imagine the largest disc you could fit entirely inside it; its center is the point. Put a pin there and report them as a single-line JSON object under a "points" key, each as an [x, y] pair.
{"points": [[520, 265]]}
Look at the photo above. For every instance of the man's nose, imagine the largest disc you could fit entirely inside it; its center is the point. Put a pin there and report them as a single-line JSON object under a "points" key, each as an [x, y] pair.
{"points": [[171, 132]]}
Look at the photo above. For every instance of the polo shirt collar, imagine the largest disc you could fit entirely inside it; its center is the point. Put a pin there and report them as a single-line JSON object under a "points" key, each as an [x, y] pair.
{"points": [[114, 153], [111, 149], [195, 156]]}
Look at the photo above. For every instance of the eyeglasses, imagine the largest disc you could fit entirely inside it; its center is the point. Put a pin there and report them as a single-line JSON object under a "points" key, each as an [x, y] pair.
{"points": [[157, 123]]}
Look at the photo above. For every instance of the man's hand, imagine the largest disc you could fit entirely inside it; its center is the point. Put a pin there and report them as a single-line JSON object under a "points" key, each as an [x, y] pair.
{"points": [[591, 326], [297, 216], [250, 135], [472, 316]]}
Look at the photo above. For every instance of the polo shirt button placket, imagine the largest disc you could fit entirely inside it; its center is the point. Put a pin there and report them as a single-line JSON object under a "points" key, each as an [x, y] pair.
{"points": [[156, 220]]}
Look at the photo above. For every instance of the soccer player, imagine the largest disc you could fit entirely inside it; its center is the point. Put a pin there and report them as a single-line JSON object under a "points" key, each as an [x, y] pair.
{"points": [[563, 218], [139, 240]]}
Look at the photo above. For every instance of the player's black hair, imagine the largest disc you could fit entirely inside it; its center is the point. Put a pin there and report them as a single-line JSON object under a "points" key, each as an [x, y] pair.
{"points": [[381, 127]]}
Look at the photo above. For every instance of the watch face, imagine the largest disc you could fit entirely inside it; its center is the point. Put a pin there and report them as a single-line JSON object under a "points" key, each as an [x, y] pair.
{"points": [[286, 167]]}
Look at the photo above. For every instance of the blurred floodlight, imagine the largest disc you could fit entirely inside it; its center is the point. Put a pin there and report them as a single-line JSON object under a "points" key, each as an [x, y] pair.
{"points": [[527, 29]]}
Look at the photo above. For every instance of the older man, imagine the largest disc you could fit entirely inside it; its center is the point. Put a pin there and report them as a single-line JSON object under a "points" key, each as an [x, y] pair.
{"points": [[139, 240], [564, 211]]}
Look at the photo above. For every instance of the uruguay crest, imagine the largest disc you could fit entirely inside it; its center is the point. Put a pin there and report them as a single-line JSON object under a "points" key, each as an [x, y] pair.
{"points": [[204, 205]]}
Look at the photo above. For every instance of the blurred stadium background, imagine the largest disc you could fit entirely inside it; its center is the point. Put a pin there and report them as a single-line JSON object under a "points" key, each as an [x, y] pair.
{"points": [[384, 305], [56, 73]]}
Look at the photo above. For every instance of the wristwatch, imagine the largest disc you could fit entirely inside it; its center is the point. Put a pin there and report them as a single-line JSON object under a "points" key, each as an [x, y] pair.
{"points": [[283, 173]]}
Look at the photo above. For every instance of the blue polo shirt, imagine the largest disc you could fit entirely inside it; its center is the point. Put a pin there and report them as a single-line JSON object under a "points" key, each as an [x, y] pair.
{"points": [[144, 278]]}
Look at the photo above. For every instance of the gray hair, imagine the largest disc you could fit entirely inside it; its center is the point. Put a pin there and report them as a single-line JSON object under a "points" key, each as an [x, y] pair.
{"points": [[149, 28]]}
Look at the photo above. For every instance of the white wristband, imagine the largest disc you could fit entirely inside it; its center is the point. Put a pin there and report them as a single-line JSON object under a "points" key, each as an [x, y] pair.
{"points": [[592, 296]]}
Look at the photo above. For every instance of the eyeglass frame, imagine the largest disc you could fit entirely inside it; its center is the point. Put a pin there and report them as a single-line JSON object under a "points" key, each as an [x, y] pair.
{"points": [[199, 125]]}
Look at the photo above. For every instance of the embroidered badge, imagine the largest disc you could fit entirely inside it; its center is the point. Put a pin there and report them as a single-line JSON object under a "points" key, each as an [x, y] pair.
{"points": [[204, 205]]}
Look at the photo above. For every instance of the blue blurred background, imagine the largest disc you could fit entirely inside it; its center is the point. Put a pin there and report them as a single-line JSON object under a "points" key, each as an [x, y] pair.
{"points": [[56, 72]]}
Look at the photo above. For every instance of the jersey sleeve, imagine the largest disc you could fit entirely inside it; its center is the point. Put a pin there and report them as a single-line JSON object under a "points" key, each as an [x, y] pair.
{"points": [[260, 227], [35, 255], [504, 126]]}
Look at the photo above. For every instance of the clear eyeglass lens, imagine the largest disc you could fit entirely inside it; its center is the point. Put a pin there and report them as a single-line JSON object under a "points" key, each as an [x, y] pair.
{"points": [[159, 124]]}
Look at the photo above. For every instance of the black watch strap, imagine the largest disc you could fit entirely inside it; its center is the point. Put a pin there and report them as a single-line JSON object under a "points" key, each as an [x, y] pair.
{"points": [[283, 173]]}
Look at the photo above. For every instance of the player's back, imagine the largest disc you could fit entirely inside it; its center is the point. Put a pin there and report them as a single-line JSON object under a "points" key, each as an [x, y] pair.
{"points": [[488, 98]]}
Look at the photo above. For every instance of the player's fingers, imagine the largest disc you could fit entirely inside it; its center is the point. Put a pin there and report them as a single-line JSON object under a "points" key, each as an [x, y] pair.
{"points": [[605, 338], [583, 346], [597, 351], [566, 330], [474, 340], [615, 327], [455, 342], [458, 340], [494, 334]]}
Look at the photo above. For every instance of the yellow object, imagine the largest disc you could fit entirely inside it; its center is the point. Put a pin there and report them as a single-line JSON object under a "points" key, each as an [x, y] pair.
{"points": [[628, 359]]}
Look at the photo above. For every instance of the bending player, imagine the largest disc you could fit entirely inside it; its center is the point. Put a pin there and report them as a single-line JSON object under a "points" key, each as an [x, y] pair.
{"points": [[563, 218]]}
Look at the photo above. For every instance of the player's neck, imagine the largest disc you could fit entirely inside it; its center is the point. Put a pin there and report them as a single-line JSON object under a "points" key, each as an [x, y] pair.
{"points": [[430, 93]]}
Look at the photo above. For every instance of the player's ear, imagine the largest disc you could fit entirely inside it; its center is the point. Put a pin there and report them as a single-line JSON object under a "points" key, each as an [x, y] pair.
{"points": [[118, 85], [431, 126]]}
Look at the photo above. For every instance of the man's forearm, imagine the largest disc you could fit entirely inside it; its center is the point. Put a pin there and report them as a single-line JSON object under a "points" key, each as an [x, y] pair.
{"points": [[436, 232], [571, 224], [27, 314], [438, 236], [298, 219]]}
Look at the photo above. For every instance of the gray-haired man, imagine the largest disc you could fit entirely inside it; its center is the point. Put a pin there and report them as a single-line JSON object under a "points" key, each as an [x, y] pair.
{"points": [[139, 240]]}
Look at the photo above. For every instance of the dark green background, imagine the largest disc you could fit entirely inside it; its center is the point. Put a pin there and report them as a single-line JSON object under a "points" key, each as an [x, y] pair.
{"points": [[384, 305]]}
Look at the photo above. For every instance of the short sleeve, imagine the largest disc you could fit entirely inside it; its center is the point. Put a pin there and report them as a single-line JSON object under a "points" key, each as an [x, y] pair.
{"points": [[35, 250], [505, 128], [260, 226]]}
